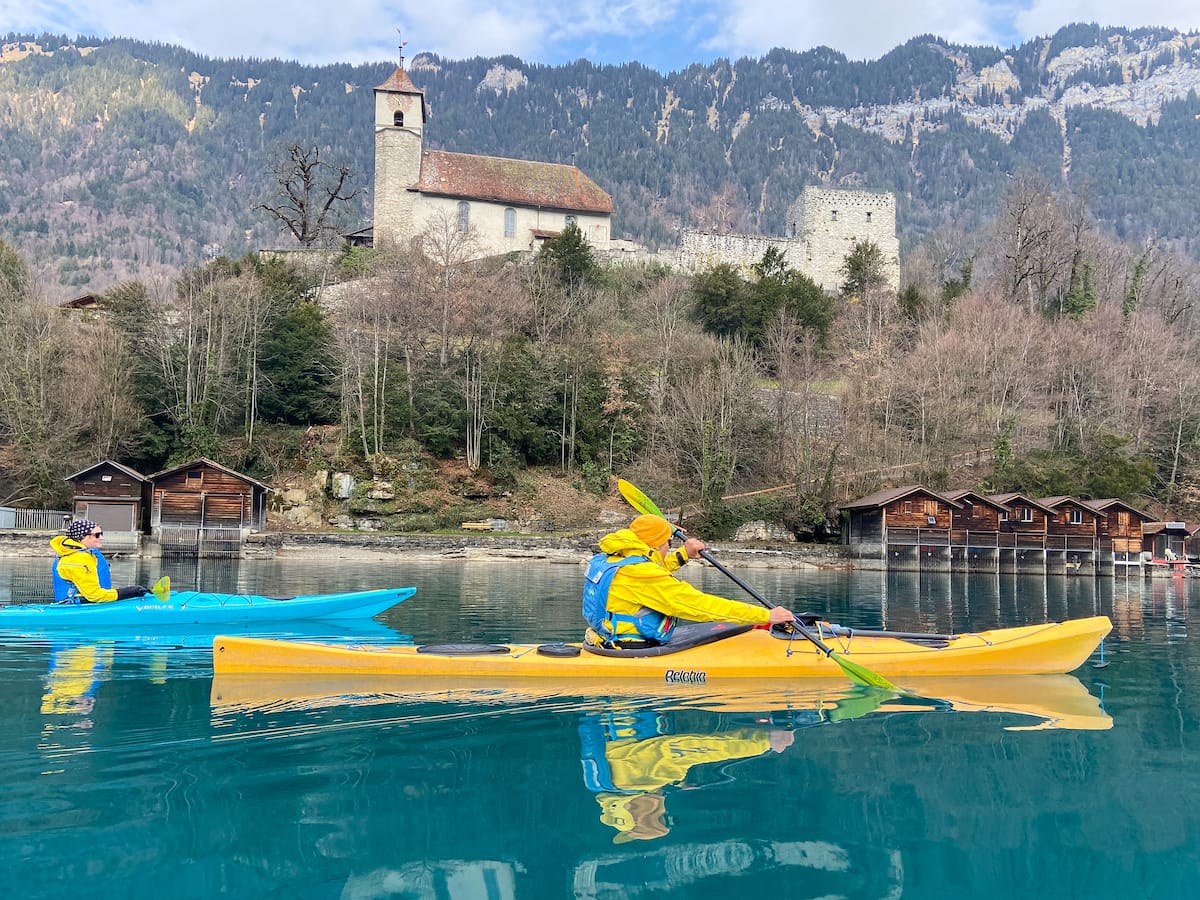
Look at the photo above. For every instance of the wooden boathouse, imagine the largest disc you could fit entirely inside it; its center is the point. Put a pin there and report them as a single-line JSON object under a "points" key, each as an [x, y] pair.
{"points": [[914, 527], [115, 497], [1123, 526], [203, 508]]}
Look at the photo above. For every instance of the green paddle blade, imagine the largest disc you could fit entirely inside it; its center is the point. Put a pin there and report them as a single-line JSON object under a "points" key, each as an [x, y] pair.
{"points": [[862, 674], [162, 589], [858, 702], [637, 499]]}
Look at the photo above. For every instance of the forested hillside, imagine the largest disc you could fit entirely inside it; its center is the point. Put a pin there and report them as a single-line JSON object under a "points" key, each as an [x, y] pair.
{"points": [[127, 159]]}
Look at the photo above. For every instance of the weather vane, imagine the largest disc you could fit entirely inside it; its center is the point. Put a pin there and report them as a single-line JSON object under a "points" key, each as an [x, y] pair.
{"points": [[402, 45]]}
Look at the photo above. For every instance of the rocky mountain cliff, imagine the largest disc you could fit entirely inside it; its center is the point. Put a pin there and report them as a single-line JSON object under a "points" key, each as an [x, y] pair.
{"points": [[124, 159]]}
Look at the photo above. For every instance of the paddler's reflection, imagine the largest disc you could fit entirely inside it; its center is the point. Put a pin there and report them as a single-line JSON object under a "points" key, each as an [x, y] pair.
{"points": [[629, 757], [76, 671]]}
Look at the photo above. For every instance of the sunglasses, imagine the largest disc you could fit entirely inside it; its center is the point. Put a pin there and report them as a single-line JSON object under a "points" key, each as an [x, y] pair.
{"points": [[96, 534]]}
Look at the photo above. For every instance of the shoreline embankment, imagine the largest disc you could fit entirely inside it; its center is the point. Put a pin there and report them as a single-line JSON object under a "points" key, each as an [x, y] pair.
{"points": [[567, 549]]}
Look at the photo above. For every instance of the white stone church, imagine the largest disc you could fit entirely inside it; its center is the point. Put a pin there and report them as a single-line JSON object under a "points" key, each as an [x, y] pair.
{"points": [[508, 204]]}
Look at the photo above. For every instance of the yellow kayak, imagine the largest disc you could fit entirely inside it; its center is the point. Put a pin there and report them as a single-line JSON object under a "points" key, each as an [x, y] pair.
{"points": [[1052, 701], [712, 654]]}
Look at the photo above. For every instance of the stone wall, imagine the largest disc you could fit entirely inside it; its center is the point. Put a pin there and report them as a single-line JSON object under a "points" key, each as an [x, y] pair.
{"points": [[572, 549], [823, 226], [701, 250]]}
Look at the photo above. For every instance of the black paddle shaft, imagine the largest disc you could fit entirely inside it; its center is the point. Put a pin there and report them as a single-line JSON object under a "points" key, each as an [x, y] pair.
{"points": [[756, 595]]}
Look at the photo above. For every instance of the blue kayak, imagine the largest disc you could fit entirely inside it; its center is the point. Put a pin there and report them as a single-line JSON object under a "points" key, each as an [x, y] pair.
{"points": [[201, 608]]}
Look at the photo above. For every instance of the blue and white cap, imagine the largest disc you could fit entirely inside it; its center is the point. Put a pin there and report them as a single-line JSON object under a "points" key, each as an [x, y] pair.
{"points": [[80, 528]]}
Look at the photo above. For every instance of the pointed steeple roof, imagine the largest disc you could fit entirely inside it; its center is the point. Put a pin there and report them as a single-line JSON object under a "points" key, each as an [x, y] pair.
{"points": [[399, 83]]}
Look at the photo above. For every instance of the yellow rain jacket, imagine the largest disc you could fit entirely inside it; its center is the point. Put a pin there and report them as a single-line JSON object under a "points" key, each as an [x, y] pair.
{"points": [[79, 566], [651, 585]]}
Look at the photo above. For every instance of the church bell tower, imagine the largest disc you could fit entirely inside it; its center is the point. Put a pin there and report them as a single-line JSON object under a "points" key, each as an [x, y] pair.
{"points": [[399, 122]]}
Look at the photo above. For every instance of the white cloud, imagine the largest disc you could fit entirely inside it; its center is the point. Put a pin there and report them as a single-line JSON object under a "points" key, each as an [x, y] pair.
{"points": [[865, 29], [604, 19], [657, 32], [1044, 17], [313, 31]]}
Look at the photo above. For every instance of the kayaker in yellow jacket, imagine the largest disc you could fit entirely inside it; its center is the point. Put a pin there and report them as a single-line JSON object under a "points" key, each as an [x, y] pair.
{"points": [[81, 572], [630, 594]]}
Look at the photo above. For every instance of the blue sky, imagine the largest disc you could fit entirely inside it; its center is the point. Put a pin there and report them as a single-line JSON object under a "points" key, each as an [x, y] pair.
{"points": [[663, 34]]}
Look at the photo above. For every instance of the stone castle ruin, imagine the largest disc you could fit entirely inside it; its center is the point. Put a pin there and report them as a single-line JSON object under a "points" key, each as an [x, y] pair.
{"points": [[822, 227]]}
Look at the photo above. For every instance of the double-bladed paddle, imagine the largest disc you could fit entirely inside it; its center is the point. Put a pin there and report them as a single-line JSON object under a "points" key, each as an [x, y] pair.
{"points": [[853, 670]]}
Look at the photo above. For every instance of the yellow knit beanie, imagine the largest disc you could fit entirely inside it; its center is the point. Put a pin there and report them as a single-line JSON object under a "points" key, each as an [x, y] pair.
{"points": [[653, 530]]}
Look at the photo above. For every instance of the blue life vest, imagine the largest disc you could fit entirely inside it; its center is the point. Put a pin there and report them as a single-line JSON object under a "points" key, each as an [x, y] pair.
{"points": [[597, 731], [649, 624], [66, 592]]}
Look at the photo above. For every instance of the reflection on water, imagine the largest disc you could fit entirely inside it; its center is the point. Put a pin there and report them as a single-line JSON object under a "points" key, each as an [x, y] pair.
{"points": [[75, 673], [630, 755], [1043, 701], [452, 879], [530, 600], [831, 870], [181, 784], [637, 753]]}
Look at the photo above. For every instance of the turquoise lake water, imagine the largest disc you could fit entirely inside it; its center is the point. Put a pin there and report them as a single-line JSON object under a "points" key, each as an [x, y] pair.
{"points": [[125, 772]]}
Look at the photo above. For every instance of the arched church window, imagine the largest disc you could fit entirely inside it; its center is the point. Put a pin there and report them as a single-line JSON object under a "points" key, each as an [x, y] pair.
{"points": [[510, 222], [398, 118], [464, 215]]}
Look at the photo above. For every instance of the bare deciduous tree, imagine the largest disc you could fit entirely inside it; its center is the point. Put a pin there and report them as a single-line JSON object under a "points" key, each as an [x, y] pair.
{"points": [[100, 371], [364, 328], [1032, 242], [712, 427], [310, 194], [493, 310], [444, 252]]}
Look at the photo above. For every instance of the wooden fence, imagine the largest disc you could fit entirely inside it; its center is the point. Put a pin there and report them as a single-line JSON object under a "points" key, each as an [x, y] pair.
{"points": [[21, 519], [209, 541]]}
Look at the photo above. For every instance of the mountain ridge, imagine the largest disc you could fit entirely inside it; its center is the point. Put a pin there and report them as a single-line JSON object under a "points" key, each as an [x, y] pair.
{"points": [[130, 160]]}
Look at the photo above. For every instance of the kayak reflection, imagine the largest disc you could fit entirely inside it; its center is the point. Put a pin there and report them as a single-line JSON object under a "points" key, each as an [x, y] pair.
{"points": [[79, 663], [1038, 701], [630, 756]]}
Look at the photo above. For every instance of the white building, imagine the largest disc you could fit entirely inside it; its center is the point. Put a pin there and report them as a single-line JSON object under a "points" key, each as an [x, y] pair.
{"points": [[509, 204]]}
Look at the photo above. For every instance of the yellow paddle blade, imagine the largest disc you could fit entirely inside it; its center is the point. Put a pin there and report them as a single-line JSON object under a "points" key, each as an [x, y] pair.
{"points": [[637, 499], [162, 589]]}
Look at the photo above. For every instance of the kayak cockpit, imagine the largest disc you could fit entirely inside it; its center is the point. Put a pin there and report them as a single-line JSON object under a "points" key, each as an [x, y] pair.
{"points": [[684, 637]]}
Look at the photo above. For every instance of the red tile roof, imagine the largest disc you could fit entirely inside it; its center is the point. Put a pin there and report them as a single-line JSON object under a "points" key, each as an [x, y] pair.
{"points": [[516, 181]]}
